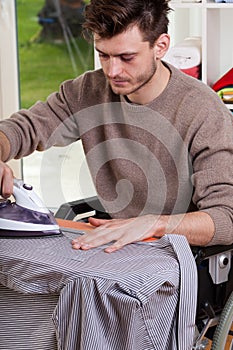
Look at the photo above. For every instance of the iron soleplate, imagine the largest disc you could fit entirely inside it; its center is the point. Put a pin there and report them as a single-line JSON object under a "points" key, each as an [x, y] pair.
{"points": [[29, 234]]}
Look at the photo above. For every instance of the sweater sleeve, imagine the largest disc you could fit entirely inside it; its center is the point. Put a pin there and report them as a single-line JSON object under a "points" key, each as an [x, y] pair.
{"points": [[45, 124], [212, 153]]}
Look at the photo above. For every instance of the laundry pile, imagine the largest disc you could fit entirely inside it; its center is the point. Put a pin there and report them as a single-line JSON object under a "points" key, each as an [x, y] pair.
{"points": [[224, 87]]}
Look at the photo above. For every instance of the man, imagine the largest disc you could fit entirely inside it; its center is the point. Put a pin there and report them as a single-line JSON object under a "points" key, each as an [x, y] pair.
{"points": [[158, 143]]}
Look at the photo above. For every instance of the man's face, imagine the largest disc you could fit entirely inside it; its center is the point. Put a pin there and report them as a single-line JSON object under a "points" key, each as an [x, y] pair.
{"points": [[128, 62]]}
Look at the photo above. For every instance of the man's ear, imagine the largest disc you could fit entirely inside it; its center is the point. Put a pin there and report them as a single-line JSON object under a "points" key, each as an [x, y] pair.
{"points": [[161, 45]]}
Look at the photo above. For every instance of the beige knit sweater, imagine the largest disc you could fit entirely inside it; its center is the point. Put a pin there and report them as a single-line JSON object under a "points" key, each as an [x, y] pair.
{"points": [[171, 156]]}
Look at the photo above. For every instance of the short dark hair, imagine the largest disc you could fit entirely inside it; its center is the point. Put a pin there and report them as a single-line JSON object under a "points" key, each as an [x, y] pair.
{"points": [[111, 17]]}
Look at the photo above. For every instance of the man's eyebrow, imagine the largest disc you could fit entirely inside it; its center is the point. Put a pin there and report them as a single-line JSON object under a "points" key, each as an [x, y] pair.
{"points": [[120, 54]]}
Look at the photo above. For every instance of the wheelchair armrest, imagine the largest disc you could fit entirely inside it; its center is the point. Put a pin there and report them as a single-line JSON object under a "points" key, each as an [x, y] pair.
{"points": [[202, 253], [215, 277], [89, 207]]}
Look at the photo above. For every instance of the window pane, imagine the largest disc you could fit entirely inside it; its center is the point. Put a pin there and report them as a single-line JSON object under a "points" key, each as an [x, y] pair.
{"points": [[49, 55]]}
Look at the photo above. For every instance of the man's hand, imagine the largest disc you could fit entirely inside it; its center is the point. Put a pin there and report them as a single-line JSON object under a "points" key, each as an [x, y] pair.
{"points": [[6, 173], [120, 232], [6, 180], [197, 227]]}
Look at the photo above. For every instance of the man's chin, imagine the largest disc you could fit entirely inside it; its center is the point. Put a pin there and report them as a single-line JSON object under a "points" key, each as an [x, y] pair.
{"points": [[120, 90]]}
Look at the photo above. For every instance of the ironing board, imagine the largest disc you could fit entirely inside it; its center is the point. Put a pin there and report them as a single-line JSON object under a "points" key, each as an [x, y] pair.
{"points": [[55, 298]]}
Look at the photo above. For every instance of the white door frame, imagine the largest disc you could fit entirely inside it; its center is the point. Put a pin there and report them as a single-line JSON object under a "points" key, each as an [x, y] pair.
{"points": [[9, 70]]}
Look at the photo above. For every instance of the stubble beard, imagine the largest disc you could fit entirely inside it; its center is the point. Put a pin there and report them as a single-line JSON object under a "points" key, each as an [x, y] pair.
{"points": [[141, 81]]}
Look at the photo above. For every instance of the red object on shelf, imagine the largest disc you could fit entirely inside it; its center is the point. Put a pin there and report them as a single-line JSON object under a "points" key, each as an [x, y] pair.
{"points": [[193, 71], [225, 80]]}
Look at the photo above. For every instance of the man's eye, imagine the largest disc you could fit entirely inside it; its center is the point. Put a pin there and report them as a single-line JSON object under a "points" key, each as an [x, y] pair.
{"points": [[127, 58], [102, 55]]}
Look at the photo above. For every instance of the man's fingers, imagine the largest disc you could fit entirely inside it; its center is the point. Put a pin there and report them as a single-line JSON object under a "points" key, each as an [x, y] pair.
{"points": [[93, 239], [99, 237], [97, 222], [6, 180], [116, 246], [117, 232]]}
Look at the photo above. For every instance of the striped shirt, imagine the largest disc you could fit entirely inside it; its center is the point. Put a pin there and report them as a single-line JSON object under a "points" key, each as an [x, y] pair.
{"points": [[141, 297]]}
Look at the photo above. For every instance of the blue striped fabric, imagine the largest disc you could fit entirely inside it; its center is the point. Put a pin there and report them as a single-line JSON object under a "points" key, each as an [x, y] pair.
{"points": [[141, 297], [25, 321]]}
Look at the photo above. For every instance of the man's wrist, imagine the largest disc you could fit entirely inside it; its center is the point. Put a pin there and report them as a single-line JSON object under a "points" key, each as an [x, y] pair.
{"points": [[4, 147]]}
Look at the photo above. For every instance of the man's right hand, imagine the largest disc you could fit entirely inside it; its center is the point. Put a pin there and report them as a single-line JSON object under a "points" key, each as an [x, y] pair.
{"points": [[6, 173], [6, 180]]}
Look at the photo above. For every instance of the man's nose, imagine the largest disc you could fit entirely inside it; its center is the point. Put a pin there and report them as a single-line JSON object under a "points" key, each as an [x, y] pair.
{"points": [[114, 67]]}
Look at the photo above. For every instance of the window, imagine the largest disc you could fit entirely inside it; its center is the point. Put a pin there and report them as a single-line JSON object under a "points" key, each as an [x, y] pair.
{"points": [[49, 55]]}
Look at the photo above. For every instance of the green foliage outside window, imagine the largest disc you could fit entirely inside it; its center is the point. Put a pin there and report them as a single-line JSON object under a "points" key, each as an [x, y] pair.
{"points": [[45, 64]]}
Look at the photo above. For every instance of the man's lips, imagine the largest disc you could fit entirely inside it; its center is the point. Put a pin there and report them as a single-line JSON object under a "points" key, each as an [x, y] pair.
{"points": [[118, 81]]}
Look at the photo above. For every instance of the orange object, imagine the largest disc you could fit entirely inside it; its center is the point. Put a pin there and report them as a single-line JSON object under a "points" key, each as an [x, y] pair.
{"points": [[77, 225], [151, 239]]}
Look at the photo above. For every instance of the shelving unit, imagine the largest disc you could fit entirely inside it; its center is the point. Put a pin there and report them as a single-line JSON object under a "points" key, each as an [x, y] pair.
{"points": [[211, 21]]}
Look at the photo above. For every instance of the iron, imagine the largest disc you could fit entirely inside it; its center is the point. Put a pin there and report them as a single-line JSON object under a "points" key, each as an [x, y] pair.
{"points": [[27, 216]]}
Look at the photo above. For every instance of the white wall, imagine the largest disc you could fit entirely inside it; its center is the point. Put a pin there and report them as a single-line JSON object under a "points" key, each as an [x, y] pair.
{"points": [[9, 86]]}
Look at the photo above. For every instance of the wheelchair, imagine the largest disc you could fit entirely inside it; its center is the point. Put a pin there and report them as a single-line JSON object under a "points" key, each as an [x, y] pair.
{"points": [[214, 314]]}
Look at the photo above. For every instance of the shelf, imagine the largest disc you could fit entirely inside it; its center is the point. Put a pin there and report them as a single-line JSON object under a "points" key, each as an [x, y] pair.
{"points": [[206, 5], [220, 5], [187, 4], [212, 22], [229, 106]]}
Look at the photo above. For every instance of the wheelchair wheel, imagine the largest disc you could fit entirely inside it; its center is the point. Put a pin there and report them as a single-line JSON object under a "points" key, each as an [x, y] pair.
{"points": [[223, 328]]}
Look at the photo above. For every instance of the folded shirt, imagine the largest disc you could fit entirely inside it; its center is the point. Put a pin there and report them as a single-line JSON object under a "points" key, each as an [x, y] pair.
{"points": [[224, 88], [226, 94]]}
